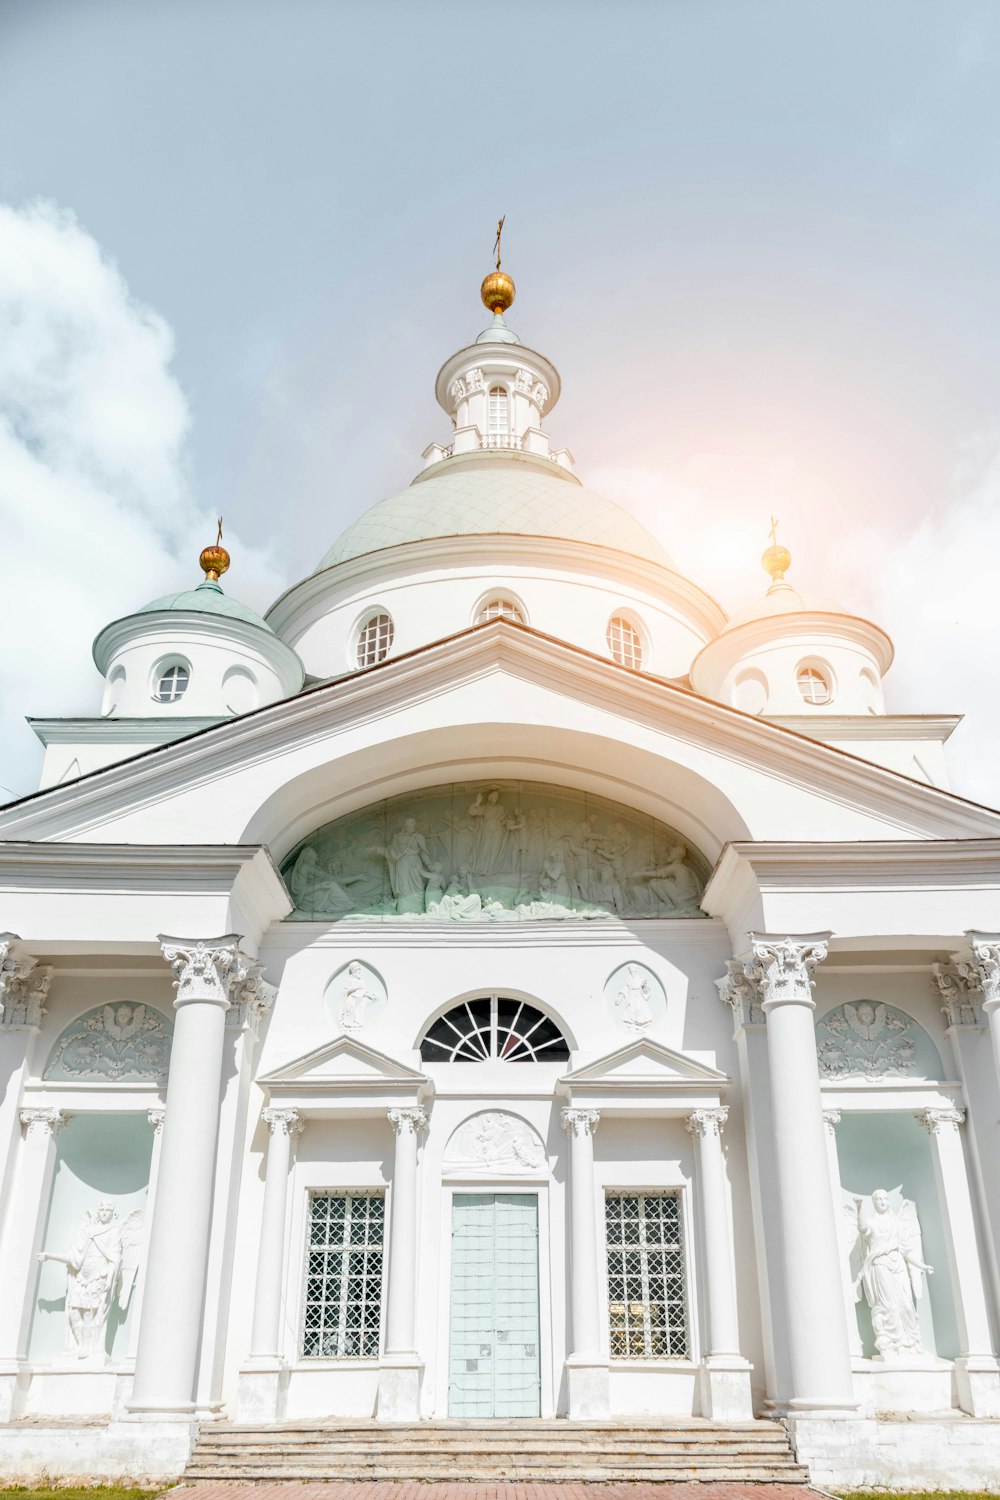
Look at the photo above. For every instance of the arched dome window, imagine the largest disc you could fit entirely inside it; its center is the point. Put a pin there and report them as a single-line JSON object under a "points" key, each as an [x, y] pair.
{"points": [[500, 609], [813, 685], [624, 642], [375, 640], [494, 1028], [170, 681], [498, 410]]}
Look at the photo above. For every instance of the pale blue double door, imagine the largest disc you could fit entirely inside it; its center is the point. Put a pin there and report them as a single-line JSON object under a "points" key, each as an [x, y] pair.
{"points": [[494, 1366]]}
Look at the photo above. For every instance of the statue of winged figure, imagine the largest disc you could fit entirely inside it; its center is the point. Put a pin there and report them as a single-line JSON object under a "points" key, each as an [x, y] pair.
{"points": [[888, 1267], [101, 1267]]}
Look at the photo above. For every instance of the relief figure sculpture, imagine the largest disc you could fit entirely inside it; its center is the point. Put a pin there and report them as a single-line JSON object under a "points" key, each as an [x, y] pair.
{"points": [[889, 1269], [633, 999], [493, 829], [409, 866], [673, 884], [101, 1265]]}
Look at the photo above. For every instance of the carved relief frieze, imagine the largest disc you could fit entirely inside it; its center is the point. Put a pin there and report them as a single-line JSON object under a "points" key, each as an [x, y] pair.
{"points": [[116, 1043], [497, 1143], [866, 1039]]}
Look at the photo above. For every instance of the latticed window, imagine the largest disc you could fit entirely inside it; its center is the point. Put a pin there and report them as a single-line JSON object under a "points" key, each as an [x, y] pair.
{"points": [[624, 642], [343, 1303], [813, 685], [172, 683], [647, 1297], [500, 609], [494, 1028], [498, 409], [375, 640]]}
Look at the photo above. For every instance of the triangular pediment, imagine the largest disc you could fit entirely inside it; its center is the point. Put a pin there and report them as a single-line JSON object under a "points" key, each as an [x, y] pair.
{"points": [[344, 1063], [642, 1064]]}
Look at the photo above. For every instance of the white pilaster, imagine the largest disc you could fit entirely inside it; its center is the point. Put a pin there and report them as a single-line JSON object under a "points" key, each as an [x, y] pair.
{"points": [[985, 969], [976, 1370], [24, 986], [587, 1374], [831, 1119], [725, 1374], [156, 1117], [399, 1376], [170, 1331], [22, 1242], [818, 1349]]}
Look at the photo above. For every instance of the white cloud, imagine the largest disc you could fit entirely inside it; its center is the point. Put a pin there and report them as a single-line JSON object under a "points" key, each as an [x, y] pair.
{"points": [[933, 582], [97, 511]]}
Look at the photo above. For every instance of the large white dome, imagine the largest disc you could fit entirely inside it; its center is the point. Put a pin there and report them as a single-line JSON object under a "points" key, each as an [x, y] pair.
{"points": [[511, 494]]}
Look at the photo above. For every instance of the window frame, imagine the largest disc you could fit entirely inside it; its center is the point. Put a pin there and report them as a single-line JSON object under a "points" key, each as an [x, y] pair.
{"points": [[813, 670], [686, 1354], [166, 665], [493, 1055], [486, 601], [491, 431], [310, 1361], [641, 637], [370, 617]]}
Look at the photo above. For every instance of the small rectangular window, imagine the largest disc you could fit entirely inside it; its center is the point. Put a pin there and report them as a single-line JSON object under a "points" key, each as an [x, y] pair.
{"points": [[344, 1258], [647, 1292]]}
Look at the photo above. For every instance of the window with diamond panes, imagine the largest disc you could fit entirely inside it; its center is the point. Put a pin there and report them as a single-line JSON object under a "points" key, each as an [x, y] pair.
{"points": [[624, 642], [647, 1296], [343, 1303]]}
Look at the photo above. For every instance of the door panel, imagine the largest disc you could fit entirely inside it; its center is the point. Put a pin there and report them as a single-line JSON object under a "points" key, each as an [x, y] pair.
{"points": [[494, 1362]]}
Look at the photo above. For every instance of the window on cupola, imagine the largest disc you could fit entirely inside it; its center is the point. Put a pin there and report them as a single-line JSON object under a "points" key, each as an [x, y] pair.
{"points": [[172, 683], [813, 686], [624, 642], [375, 640], [498, 410], [500, 609]]}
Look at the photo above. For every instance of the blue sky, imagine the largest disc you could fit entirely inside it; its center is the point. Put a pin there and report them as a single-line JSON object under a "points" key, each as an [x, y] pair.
{"points": [[760, 240]]}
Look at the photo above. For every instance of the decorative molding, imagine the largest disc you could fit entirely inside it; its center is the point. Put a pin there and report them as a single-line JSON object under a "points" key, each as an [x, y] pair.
{"points": [[457, 390], [408, 1121], [936, 1121], [831, 1119], [784, 967], [959, 988], [120, 1042], [24, 987], [47, 1122], [705, 1122], [283, 1122], [474, 379], [207, 969], [156, 1118], [494, 1142], [738, 991], [866, 1039], [251, 1000], [580, 1122], [984, 970]]}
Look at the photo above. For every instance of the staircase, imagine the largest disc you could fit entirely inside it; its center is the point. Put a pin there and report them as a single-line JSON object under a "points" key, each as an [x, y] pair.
{"points": [[472, 1452]]}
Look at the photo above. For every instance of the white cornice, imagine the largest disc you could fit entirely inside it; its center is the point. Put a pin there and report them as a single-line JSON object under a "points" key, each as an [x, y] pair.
{"points": [[143, 731], [408, 559], [763, 629], [890, 727], [368, 695], [496, 356], [171, 623]]}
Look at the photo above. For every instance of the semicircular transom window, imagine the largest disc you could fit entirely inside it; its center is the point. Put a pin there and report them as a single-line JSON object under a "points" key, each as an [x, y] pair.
{"points": [[375, 640], [500, 609], [624, 642], [494, 1028]]}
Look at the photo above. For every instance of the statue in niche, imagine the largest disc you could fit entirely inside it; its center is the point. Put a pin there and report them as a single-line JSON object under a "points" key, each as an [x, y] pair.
{"points": [[356, 998], [409, 866], [887, 1263], [101, 1266], [633, 999], [673, 884]]}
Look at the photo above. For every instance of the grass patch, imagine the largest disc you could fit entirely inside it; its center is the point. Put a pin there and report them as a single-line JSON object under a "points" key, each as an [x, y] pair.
{"points": [[79, 1492]]}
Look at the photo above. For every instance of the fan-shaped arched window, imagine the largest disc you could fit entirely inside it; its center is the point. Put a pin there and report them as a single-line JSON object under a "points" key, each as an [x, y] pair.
{"points": [[375, 640], [500, 609], [494, 1028], [624, 642], [498, 409]]}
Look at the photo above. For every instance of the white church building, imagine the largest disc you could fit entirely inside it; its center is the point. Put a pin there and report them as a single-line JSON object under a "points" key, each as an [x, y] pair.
{"points": [[499, 987]]}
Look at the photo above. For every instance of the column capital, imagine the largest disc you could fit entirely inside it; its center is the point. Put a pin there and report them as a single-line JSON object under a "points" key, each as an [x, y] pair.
{"points": [[24, 986], [936, 1121], [250, 1000], [959, 987], [409, 1120], [704, 1122], [831, 1119], [782, 967], [580, 1122], [42, 1122], [207, 969], [739, 991], [156, 1118], [983, 973], [283, 1121]]}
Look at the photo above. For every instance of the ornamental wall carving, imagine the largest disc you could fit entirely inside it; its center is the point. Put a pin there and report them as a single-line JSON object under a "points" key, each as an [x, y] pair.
{"points": [[869, 1039], [115, 1043], [494, 851], [494, 1142]]}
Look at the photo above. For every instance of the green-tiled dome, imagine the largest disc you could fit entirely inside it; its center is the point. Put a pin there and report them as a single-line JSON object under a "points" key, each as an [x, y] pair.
{"points": [[505, 498], [206, 599]]}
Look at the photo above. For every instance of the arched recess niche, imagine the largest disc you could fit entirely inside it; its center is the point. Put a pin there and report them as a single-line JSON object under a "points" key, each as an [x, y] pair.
{"points": [[500, 849]]}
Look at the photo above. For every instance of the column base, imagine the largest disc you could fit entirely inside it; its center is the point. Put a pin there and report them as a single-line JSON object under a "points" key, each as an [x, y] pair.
{"points": [[724, 1389], [262, 1391], [588, 1388], [977, 1385], [398, 1398]]}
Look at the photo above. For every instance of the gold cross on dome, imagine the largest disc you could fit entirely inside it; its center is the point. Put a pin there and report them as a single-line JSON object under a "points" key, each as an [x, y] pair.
{"points": [[773, 533], [496, 244]]}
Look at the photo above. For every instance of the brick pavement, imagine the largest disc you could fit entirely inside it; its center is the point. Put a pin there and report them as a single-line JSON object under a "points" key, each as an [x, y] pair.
{"points": [[339, 1489]]}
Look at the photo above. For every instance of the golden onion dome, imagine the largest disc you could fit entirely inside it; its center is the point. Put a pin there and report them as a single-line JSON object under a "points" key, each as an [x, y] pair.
{"points": [[497, 291]]}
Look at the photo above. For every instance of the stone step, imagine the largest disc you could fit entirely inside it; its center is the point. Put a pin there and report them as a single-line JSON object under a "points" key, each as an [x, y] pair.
{"points": [[582, 1442], [577, 1474]]}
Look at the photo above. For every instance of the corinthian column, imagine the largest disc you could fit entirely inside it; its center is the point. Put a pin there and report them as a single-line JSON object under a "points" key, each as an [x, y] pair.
{"points": [[399, 1377], [984, 972], [819, 1361], [725, 1374], [586, 1369], [209, 974]]}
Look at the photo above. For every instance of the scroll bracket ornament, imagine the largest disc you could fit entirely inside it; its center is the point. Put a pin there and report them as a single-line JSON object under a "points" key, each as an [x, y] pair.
{"points": [[24, 986], [42, 1122]]}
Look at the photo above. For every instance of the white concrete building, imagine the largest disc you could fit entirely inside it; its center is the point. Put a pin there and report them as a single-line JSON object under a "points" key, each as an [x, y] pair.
{"points": [[498, 986]]}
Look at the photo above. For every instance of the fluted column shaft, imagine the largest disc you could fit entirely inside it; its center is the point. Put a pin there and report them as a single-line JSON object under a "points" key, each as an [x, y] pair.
{"points": [[265, 1338]]}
